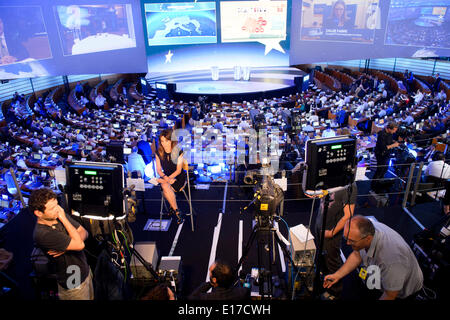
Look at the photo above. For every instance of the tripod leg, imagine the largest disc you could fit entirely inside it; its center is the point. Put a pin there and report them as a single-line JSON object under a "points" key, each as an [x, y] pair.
{"points": [[246, 249]]}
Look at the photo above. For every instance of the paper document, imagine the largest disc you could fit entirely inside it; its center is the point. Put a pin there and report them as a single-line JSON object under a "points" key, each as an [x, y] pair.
{"points": [[361, 174], [138, 184], [60, 176]]}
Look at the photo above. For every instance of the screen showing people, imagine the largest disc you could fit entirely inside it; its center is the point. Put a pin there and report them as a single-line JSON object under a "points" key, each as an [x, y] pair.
{"points": [[419, 23], [349, 20], [243, 21], [23, 35], [181, 23], [93, 28]]}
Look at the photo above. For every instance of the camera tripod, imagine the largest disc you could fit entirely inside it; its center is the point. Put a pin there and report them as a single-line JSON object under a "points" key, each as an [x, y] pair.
{"points": [[266, 236]]}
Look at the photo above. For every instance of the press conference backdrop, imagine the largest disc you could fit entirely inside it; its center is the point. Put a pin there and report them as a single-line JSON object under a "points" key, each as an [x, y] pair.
{"points": [[61, 37], [327, 30]]}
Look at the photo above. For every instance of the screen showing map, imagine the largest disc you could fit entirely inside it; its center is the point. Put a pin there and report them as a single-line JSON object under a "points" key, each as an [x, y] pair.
{"points": [[181, 23], [244, 21]]}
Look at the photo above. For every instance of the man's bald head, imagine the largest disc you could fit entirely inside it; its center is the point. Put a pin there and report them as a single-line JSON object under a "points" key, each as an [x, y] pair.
{"points": [[359, 232], [363, 225]]}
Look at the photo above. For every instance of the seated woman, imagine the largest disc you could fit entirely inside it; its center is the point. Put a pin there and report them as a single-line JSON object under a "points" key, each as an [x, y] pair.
{"points": [[172, 177]]}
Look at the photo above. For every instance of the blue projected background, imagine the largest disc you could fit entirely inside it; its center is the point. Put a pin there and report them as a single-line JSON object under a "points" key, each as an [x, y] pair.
{"points": [[63, 37], [199, 35], [181, 23]]}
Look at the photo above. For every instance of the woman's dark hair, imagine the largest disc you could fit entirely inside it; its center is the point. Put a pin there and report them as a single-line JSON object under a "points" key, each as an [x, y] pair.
{"points": [[166, 133], [39, 198]]}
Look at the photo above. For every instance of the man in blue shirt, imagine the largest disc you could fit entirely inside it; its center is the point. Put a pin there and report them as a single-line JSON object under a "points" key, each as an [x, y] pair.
{"points": [[144, 149], [136, 162]]}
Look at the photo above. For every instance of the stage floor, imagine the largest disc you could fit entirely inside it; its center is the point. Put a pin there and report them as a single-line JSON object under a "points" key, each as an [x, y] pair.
{"points": [[226, 87], [200, 82]]}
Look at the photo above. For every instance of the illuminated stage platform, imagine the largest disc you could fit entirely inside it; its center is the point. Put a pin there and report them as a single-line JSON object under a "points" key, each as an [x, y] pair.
{"points": [[263, 83]]}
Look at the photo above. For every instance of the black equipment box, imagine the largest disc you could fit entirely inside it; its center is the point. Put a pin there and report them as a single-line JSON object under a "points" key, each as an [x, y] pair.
{"points": [[330, 162], [96, 189], [433, 254]]}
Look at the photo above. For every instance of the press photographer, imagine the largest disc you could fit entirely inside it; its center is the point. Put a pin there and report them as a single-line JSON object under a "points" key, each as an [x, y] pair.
{"points": [[385, 144]]}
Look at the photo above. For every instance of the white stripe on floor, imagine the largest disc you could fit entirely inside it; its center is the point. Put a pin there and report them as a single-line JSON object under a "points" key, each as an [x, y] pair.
{"points": [[212, 255], [414, 218], [175, 241], [240, 240]]}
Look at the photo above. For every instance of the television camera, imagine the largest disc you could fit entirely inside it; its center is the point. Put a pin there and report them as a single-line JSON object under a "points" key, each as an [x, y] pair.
{"points": [[267, 198], [259, 122], [267, 195]]}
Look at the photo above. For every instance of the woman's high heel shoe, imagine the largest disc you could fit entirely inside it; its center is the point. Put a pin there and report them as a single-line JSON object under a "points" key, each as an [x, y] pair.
{"points": [[180, 219]]}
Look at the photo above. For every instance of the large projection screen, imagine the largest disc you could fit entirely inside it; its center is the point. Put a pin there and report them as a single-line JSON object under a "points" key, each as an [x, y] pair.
{"points": [[330, 30], [63, 37]]}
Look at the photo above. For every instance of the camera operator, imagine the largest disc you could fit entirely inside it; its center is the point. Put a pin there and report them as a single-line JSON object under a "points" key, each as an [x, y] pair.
{"points": [[401, 153], [62, 239], [385, 143], [221, 281]]}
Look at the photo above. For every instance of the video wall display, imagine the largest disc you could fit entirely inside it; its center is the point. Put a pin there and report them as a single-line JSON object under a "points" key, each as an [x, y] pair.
{"points": [[352, 21], [332, 30], [23, 35], [94, 28], [64, 37], [251, 21], [199, 35], [181, 23], [418, 23]]}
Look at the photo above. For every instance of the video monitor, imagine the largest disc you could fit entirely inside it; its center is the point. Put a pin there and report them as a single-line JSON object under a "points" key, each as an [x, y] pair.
{"points": [[162, 86], [180, 23], [93, 28], [5, 201], [37, 156], [348, 21]]}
